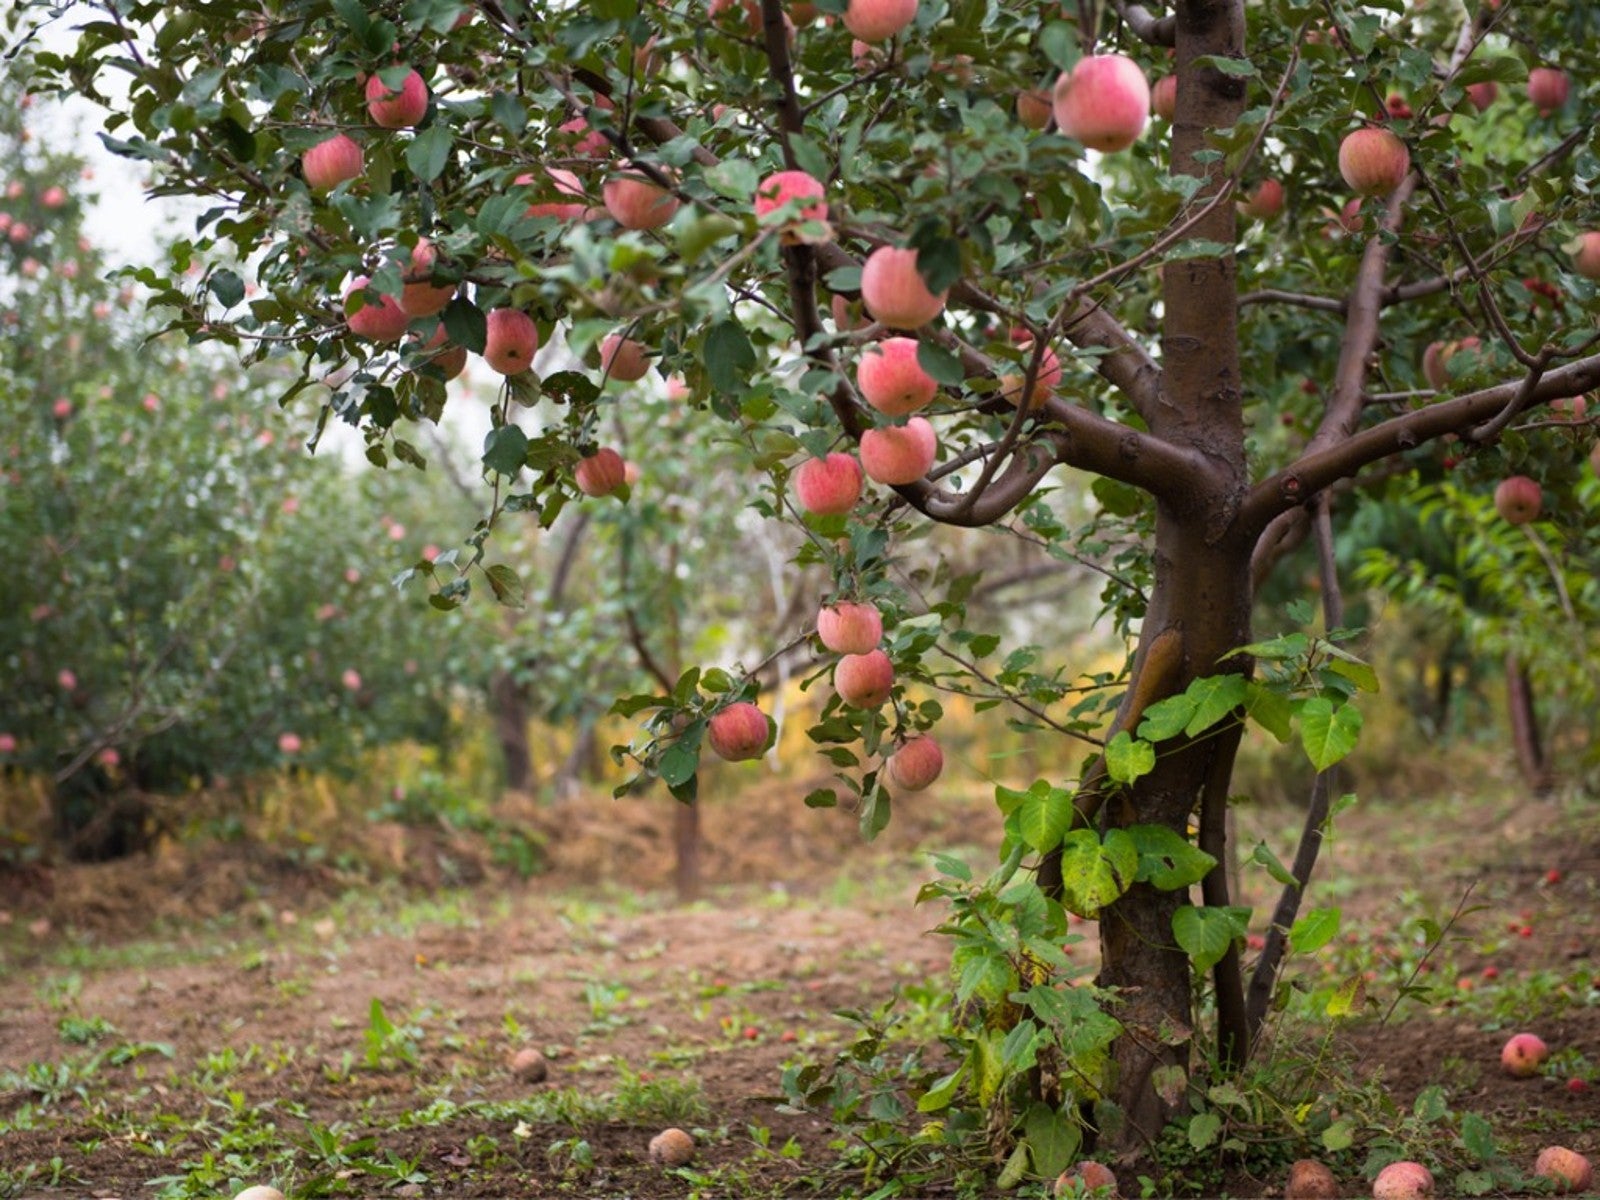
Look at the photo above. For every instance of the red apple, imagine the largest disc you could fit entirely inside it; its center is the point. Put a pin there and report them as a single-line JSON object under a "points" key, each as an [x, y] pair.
{"points": [[864, 680], [1045, 380], [899, 454], [894, 291], [1567, 1169], [566, 183], [397, 108], [878, 20], [330, 163], [636, 202], [1104, 103], [8, 743], [1088, 1175], [1373, 161], [1265, 202], [1523, 1054], [623, 359], [289, 743], [1164, 98], [602, 473], [739, 732], [1518, 499], [511, 340], [1310, 1180], [449, 360], [379, 319], [828, 486], [849, 627], [915, 765], [847, 315], [1397, 107], [419, 297], [891, 379], [1483, 94], [1547, 88], [1403, 1181], [1033, 108], [797, 194], [1586, 261]]}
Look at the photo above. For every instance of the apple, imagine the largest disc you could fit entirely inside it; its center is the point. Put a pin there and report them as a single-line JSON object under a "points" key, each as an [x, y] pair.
{"points": [[529, 1066], [53, 196], [259, 1192], [1103, 103], [1403, 1181], [891, 379], [864, 680], [1373, 161], [846, 315], [623, 359], [878, 20], [671, 1148], [1095, 1178], [450, 360], [899, 454], [1483, 94], [379, 319], [1164, 98], [1397, 107], [1567, 1169], [332, 162], [566, 183], [1265, 202], [828, 486], [1518, 499], [739, 732], [1523, 1054], [1310, 1180], [1436, 360], [1547, 88], [797, 194], [1033, 108], [289, 743], [397, 108], [602, 473], [1586, 261], [419, 297], [510, 341], [1045, 380], [850, 627], [894, 291], [8, 743], [636, 202], [587, 142], [915, 765]]}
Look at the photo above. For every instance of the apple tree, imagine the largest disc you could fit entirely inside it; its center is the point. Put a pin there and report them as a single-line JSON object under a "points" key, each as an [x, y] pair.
{"points": [[941, 235]]}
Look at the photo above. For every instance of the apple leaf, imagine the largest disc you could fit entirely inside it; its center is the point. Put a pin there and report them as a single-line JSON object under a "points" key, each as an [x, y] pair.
{"points": [[505, 450]]}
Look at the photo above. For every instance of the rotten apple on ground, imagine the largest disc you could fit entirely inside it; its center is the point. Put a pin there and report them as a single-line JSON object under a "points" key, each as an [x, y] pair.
{"points": [[1523, 1054], [1567, 1169], [1095, 1178], [1403, 1181], [671, 1148]]}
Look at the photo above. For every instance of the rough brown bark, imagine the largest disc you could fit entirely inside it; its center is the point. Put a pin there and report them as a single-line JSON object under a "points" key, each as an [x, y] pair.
{"points": [[1525, 726], [508, 703]]}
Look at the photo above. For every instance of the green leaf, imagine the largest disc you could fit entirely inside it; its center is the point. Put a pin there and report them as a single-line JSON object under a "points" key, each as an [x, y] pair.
{"points": [[505, 450], [1128, 760], [1166, 718], [821, 798], [938, 1097], [1044, 813], [1263, 856], [429, 151], [1270, 709], [227, 287], [1314, 930], [1341, 1135], [1358, 673], [938, 362], [1053, 1140], [1093, 874], [1204, 1128], [1168, 860], [1430, 1105], [1206, 933], [681, 760], [1350, 997], [465, 325], [506, 586], [1215, 698], [509, 112], [1236, 68], [1328, 733], [729, 357], [1477, 1135]]}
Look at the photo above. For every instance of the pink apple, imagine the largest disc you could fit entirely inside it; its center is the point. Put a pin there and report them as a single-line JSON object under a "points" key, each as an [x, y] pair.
{"points": [[899, 454], [511, 340], [891, 379], [1033, 108], [894, 291], [1483, 94], [1045, 380], [739, 732], [878, 20], [915, 765], [53, 196], [1265, 202], [397, 108], [449, 360], [108, 757], [797, 194], [1547, 88], [636, 202], [8, 743], [1164, 98], [1403, 1181], [828, 486], [864, 680], [1373, 161], [587, 141], [289, 743], [846, 315], [1586, 261], [601, 473], [1095, 1178], [67, 680], [379, 319], [849, 627], [1522, 1055], [418, 296], [1103, 103], [1518, 500], [61, 409], [623, 359], [1567, 1169], [332, 162], [565, 183]]}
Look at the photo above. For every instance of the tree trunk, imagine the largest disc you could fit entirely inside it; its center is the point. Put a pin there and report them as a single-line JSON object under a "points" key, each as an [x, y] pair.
{"points": [[508, 703], [686, 846], [1525, 726]]}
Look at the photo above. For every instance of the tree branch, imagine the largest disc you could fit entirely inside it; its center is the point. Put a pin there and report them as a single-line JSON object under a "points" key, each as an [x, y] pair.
{"points": [[1146, 26]]}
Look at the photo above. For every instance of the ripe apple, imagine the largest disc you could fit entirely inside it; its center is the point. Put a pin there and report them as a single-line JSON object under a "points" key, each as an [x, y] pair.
{"points": [[379, 319], [1373, 161], [332, 162], [1310, 1180], [1397, 107], [739, 732], [602, 473], [850, 627], [894, 291], [847, 314], [878, 20], [397, 108], [828, 486], [864, 680], [1567, 1169], [1523, 1054], [623, 359], [892, 380], [798, 194], [1403, 1181], [419, 297], [1033, 108], [449, 360], [587, 142], [1103, 103], [289, 743], [671, 1147], [529, 1066], [1518, 499], [511, 340], [1089, 1175], [1045, 380], [260, 1192], [8, 743], [636, 202], [1483, 94], [915, 765], [899, 454], [1586, 261], [1547, 88], [1164, 98], [566, 183], [1265, 202]]}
